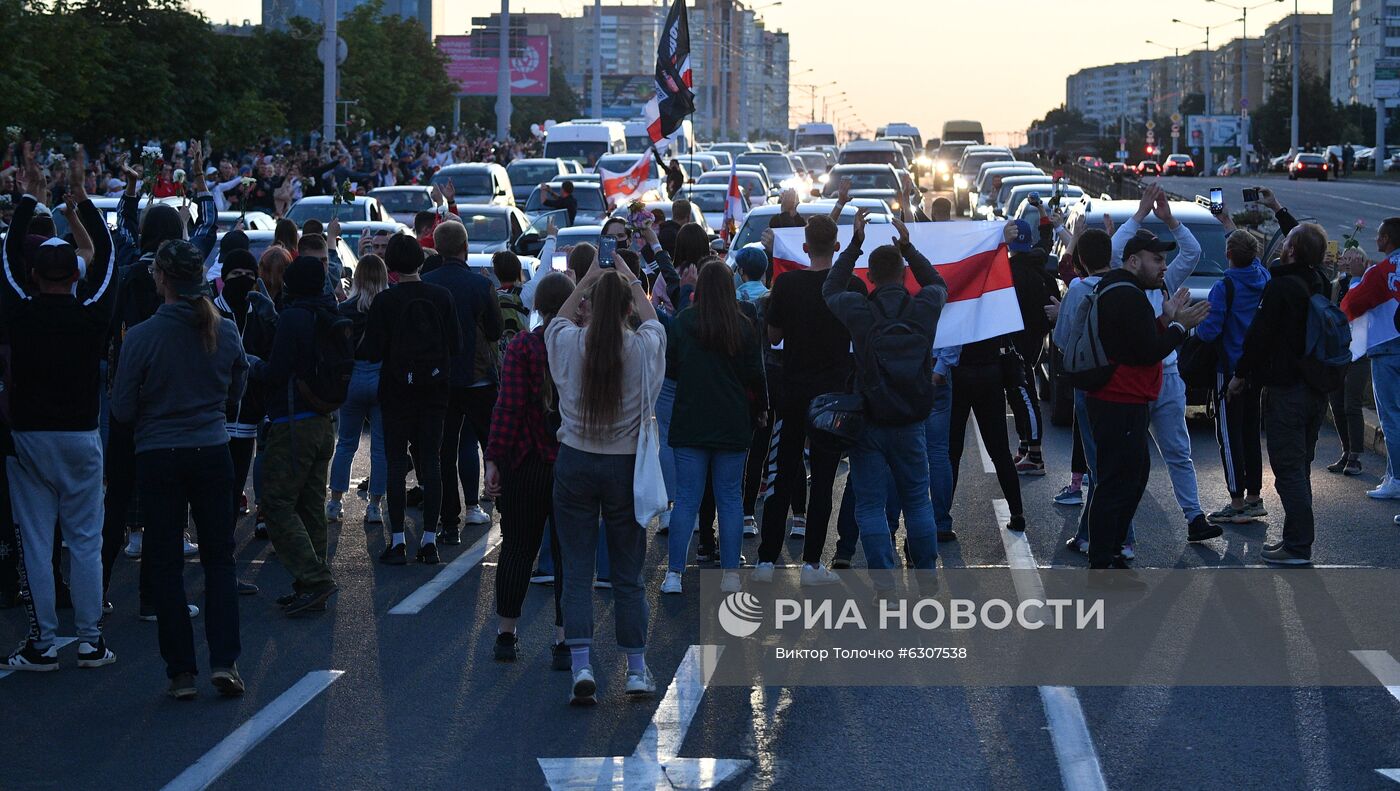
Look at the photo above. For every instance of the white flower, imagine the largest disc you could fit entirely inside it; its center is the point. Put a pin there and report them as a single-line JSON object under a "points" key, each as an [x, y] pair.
{"points": [[178, 177], [248, 180], [151, 151]]}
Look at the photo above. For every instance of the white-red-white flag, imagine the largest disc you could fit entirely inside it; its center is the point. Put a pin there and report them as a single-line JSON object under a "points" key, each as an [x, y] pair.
{"points": [[971, 256], [632, 183], [736, 208]]}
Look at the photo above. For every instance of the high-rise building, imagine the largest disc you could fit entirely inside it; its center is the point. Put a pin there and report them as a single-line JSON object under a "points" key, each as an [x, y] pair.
{"points": [[1362, 31], [1238, 61], [1104, 94], [277, 13], [1314, 45]]}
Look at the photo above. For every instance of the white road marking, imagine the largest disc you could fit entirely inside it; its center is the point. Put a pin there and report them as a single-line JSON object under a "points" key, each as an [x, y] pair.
{"points": [[59, 643], [1384, 667], [202, 773], [987, 465], [1393, 774], [449, 575], [1069, 732], [655, 764]]}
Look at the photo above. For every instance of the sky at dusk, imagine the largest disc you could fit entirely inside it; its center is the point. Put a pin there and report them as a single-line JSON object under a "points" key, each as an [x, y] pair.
{"points": [[1003, 63]]}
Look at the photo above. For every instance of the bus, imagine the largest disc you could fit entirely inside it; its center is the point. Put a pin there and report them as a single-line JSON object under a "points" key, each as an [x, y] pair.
{"points": [[901, 129], [964, 130], [814, 134]]}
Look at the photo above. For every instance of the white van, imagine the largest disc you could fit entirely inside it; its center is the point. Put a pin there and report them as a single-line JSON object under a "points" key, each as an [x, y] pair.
{"points": [[639, 139], [814, 134], [901, 130], [584, 141]]}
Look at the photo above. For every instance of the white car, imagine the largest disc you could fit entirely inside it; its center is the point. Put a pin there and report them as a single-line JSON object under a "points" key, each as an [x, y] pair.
{"points": [[404, 202], [710, 200], [323, 208], [751, 232], [252, 221]]}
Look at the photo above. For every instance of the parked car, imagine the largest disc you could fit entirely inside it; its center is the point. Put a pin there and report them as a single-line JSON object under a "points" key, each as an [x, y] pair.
{"points": [[1148, 167], [477, 183], [1179, 165], [526, 174], [404, 202], [1308, 166], [252, 221], [322, 207]]}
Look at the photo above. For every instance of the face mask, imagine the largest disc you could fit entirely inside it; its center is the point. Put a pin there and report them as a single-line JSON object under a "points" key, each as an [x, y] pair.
{"points": [[236, 290]]}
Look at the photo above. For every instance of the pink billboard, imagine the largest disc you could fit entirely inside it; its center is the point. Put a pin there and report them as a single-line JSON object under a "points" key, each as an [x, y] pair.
{"points": [[476, 76]]}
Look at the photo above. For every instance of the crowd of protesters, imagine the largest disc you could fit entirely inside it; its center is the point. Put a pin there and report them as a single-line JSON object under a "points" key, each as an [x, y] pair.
{"points": [[145, 394]]}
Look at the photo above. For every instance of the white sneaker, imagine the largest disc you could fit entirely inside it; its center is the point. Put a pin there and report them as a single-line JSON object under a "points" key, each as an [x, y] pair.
{"points": [[763, 572], [797, 527], [1388, 490], [750, 527], [641, 683], [133, 544], [334, 510], [373, 514], [818, 575], [729, 583], [585, 689], [672, 583], [476, 516], [191, 548]]}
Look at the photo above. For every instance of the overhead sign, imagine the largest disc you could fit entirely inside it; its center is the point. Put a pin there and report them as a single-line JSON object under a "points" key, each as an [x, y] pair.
{"points": [[475, 75], [1387, 81], [1217, 131]]}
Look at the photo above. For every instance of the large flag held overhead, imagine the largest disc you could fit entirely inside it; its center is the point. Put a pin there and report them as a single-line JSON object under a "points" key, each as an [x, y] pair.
{"points": [[673, 100], [632, 183], [971, 257], [736, 207]]}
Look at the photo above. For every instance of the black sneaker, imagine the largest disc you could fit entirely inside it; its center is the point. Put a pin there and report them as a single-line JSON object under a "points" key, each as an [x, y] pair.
{"points": [[1280, 556], [182, 687], [562, 659], [90, 655], [363, 485], [1017, 524], [1353, 466], [247, 588], [505, 646], [1202, 530], [309, 602], [395, 555], [227, 681], [283, 601], [944, 536], [840, 563], [30, 659], [704, 558], [1339, 465], [450, 536], [428, 554], [107, 607]]}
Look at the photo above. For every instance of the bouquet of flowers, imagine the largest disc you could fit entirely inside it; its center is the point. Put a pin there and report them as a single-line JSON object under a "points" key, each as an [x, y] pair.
{"points": [[345, 193], [178, 177], [152, 162], [1351, 242], [14, 134]]}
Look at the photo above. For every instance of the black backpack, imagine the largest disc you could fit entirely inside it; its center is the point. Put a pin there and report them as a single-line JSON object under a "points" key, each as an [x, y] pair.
{"points": [[417, 358], [328, 383], [896, 377]]}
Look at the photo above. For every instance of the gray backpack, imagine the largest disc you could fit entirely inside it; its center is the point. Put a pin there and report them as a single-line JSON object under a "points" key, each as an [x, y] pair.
{"points": [[1085, 361]]}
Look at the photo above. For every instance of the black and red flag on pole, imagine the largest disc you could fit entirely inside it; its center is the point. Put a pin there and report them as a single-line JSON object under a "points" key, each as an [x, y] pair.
{"points": [[673, 100]]}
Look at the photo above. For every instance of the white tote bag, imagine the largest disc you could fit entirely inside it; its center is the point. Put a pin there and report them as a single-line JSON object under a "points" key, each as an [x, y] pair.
{"points": [[648, 487]]}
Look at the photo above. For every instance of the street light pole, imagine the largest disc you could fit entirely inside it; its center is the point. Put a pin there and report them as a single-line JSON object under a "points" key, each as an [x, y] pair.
{"points": [[1295, 56], [1244, 72], [1210, 92], [503, 77], [597, 58], [328, 70]]}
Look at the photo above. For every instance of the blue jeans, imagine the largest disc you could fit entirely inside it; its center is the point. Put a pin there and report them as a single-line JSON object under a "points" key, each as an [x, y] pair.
{"points": [[1174, 441], [846, 531], [545, 562], [1091, 456], [1385, 382], [899, 453], [665, 402], [940, 470], [725, 469], [361, 402]]}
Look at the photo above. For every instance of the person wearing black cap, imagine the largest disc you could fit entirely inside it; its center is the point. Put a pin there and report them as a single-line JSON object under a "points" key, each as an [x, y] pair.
{"points": [[300, 440], [1135, 343], [181, 373], [57, 336]]}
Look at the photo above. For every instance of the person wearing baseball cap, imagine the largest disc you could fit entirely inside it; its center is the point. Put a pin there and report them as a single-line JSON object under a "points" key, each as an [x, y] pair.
{"points": [[56, 322], [180, 374]]}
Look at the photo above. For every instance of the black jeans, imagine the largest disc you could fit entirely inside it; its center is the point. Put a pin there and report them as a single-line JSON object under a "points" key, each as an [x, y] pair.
{"points": [[177, 484], [419, 428], [241, 451], [758, 461], [1292, 420], [792, 439], [1121, 470], [978, 390], [465, 429], [119, 467], [1025, 400], [1237, 434], [526, 506], [1347, 402]]}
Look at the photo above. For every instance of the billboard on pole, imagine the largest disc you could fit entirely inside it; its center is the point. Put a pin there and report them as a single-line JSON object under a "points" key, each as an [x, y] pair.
{"points": [[474, 71], [1223, 130]]}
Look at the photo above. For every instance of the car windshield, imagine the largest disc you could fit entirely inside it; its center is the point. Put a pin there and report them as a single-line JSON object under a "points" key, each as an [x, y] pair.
{"points": [[1179, 158], [815, 162], [324, 211], [588, 200], [756, 224], [952, 152], [862, 180], [974, 162], [707, 200], [749, 181], [532, 172], [875, 157], [1310, 158], [638, 143], [584, 151], [1006, 189], [778, 165], [466, 183], [404, 200], [486, 226]]}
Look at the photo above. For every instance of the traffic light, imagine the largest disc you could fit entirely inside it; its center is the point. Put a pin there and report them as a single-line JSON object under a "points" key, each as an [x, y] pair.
{"points": [[1151, 150]]}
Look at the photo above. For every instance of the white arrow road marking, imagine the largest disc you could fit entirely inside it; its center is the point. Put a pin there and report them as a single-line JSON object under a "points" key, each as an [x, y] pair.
{"points": [[449, 575], [58, 642], [1386, 670], [655, 763], [202, 773], [1069, 732], [987, 465]]}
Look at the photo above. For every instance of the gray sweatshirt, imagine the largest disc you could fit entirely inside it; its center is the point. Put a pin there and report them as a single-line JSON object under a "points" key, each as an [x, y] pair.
{"points": [[173, 392]]}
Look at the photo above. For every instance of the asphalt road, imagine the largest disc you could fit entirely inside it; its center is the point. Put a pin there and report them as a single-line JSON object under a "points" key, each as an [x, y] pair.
{"points": [[420, 703], [1336, 204]]}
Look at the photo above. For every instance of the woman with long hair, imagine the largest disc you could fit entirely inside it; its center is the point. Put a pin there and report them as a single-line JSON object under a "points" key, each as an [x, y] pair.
{"points": [[718, 360], [285, 235], [362, 402], [178, 374], [692, 247], [271, 266], [520, 458], [608, 376]]}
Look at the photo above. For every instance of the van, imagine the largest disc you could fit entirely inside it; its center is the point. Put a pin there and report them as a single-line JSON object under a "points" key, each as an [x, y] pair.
{"points": [[584, 141], [964, 130], [639, 139], [901, 129], [814, 134], [872, 152]]}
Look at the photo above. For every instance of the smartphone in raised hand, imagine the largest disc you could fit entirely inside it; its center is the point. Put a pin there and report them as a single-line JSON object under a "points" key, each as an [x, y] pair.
{"points": [[1251, 194], [607, 249], [1217, 200]]}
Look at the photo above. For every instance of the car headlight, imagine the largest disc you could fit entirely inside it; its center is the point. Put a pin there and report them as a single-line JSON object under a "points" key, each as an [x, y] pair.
{"points": [[959, 181], [824, 178], [942, 167], [791, 183], [894, 205], [922, 162]]}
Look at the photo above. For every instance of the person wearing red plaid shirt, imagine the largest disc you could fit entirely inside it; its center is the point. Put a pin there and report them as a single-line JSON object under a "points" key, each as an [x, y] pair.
{"points": [[520, 456]]}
